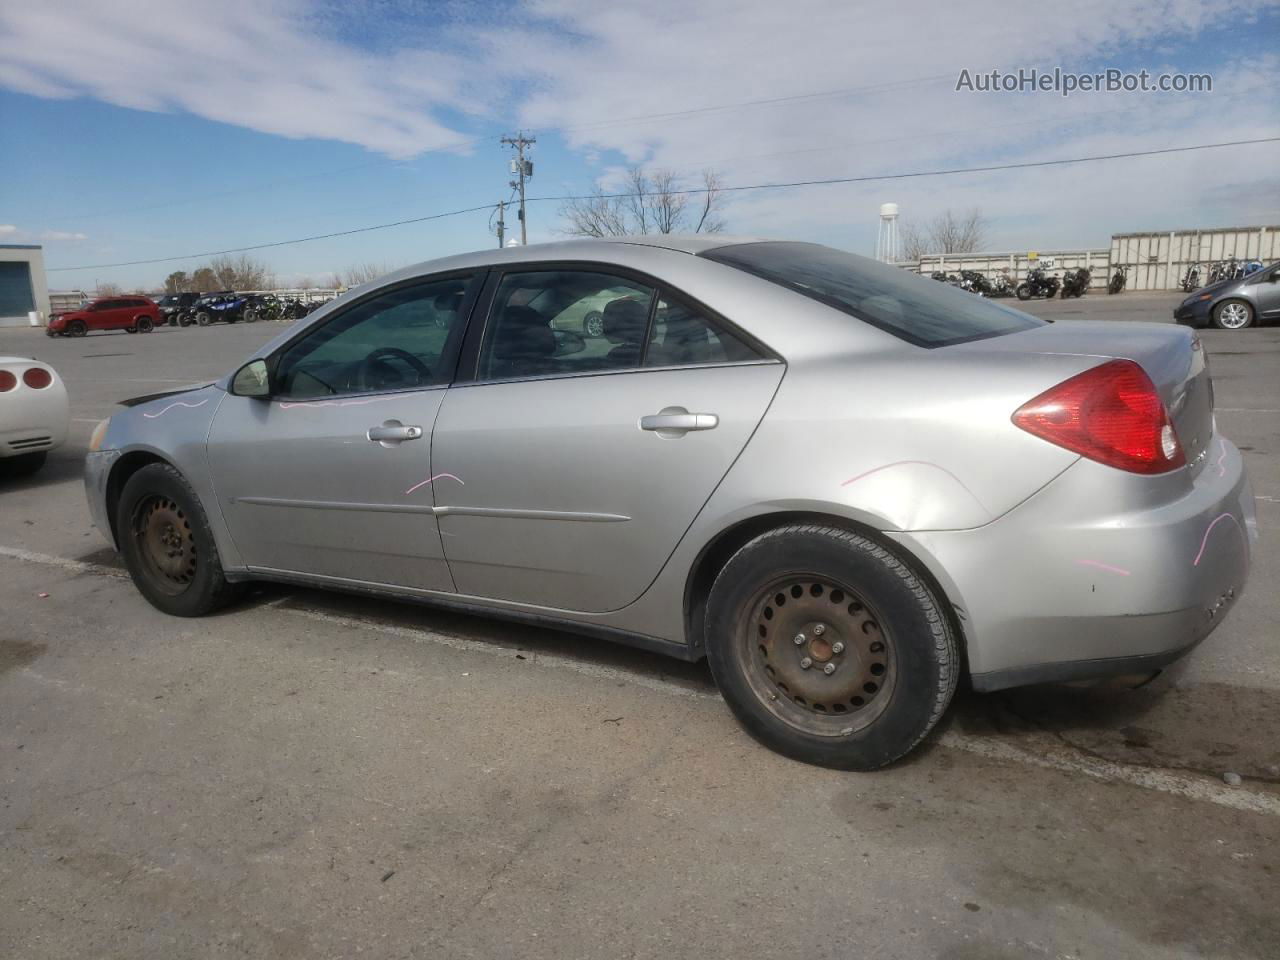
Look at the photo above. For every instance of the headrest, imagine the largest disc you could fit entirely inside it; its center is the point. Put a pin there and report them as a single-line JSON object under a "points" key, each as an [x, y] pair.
{"points": [[625, 320], [523, 333]]}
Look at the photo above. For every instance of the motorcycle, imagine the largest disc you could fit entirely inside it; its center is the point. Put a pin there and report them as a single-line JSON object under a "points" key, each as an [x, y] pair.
{"points": [[975, 282], [1118, 279], [1038, 284], [1075, 282], [262, 306], [1001, 285], [1191, 279]]}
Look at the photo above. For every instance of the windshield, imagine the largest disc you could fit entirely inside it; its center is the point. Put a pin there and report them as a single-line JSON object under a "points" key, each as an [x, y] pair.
{"points": [[907, 305]]}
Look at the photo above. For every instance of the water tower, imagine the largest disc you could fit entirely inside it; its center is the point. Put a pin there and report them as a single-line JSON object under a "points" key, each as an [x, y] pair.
{"points": [[887, 247]]}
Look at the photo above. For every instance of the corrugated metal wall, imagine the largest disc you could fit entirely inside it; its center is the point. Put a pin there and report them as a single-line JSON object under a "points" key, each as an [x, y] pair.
{"points": [[1158, 261], [1018, 265]]}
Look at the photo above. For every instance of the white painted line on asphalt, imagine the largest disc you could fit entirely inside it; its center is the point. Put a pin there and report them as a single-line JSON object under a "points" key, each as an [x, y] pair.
{"points": [[1053, 755], [507, 653], [86, 420], [1242, 410], [1049, 753], [74, 566]]}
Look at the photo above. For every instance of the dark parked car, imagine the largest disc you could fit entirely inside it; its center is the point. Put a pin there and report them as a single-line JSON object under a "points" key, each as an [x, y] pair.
{"points": [[173, 306], [1234, 304], [133, 314], [224, 305]]}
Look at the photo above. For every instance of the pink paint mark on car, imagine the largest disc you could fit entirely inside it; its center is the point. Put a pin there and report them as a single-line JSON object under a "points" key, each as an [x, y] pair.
{"points": [[432, 480], [179, 403], [1119, 571], [922, 463], [1205, 539], [1222, 471]]}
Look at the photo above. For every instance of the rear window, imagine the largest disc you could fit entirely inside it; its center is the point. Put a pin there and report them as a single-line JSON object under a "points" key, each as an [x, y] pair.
{"points": [[918, 310]]}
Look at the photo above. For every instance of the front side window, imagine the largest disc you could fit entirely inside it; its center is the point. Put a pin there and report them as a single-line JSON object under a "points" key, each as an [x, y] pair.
{"points": [[402, 339], [561, 322], [920, 311]]}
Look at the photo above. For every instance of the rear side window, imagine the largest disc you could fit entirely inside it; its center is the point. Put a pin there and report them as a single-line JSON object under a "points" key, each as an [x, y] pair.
{"points": [[682, 336], [911, 307]]}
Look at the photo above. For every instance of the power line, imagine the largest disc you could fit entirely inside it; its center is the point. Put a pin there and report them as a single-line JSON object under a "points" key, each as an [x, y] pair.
{"points": [[698, 190], [927, 173], [276, 243]]}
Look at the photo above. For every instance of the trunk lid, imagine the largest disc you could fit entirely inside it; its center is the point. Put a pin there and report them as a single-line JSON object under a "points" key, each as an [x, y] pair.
{"points": [[1172, 356]]}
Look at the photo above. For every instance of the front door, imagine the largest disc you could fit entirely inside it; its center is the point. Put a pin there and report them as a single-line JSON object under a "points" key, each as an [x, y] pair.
{"points": [[1268, 294], [332, 476], [575, 462]]}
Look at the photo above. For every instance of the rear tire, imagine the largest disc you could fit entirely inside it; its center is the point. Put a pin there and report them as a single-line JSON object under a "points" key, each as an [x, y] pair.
{"points": [[168, 546], [145, 325], [1232, 315], [593, 324], [23, 465], [877, 664], [203, 319]]}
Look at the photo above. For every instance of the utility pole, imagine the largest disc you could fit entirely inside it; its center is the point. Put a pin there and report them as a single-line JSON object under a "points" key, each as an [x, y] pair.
{"points": [[523, 170], [502, 223]]}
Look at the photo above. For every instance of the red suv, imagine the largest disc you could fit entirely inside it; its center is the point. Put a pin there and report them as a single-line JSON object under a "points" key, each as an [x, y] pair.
{"points": [[134, 314]]}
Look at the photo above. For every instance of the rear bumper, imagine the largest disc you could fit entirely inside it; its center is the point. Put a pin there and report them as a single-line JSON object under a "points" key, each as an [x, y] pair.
{"points": [[1099, 573]]}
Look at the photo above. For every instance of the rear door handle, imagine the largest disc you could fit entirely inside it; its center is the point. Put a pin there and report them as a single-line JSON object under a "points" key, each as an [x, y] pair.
{"points": [[393, 432], [677, 421]]}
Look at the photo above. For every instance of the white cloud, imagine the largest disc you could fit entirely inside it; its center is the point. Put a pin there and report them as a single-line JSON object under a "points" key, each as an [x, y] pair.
{"points": [[15, 233], [6, 229], [260, 64]]}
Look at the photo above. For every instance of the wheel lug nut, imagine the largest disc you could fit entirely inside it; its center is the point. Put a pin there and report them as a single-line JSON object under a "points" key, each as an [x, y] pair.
{"points": [[819, 630], [830, 668], [799, 639], [806, 663], [837, 647]]}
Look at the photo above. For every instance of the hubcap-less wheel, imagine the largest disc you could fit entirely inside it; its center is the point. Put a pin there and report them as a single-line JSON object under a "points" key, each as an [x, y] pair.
{"points": [[165, 543], [1233, 316], [817, 655]]}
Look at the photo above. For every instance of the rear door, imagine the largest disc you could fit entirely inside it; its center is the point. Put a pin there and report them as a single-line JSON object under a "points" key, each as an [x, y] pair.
{"points": [[573, 464], [332, 476]]}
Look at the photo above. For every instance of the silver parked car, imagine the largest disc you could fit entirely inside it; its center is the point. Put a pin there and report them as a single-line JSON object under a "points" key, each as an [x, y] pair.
{"points": [[844, 485], [1234, 304]]}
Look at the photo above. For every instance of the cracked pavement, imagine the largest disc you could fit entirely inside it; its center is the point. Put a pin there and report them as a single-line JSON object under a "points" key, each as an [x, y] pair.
{"points": [[313, 775]]}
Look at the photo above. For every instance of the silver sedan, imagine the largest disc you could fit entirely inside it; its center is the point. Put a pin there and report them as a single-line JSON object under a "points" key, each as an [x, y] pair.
{"points": [[845, 486]]}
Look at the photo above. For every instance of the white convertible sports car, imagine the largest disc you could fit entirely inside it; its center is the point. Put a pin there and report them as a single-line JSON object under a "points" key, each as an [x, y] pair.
{"points": [[33, 414]]}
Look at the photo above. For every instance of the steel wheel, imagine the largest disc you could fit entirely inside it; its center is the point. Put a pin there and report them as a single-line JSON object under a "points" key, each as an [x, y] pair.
{"points": [[166, 544], [815, 653]]}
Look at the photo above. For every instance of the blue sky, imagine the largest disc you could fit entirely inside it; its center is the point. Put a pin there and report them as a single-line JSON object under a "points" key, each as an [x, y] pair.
{"points": [[154, 129]]}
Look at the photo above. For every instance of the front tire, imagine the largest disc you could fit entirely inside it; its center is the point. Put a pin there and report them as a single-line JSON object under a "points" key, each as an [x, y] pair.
{"points": [[828, 648], [1232, 315], [1023, 291], [77, 328], [167, 544]]}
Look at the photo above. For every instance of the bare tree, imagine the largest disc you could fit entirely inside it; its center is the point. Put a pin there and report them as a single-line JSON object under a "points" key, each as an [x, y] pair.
{"points": [[177, 282], [240, 273], [108, 290], [359, 273], [656, 202], [945, 233]]}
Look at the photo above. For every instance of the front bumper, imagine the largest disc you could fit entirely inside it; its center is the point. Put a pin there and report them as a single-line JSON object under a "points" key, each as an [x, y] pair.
{"points": [[97, 468], [1100, 573], [1197, 313]]}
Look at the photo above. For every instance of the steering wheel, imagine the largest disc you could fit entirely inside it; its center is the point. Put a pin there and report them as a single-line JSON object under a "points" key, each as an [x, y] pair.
{"points": [[364, 373]]}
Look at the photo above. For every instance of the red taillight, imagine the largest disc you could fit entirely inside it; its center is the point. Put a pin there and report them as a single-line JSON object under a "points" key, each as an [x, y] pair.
{"points": [[1111, 414], [37, 378], [7, 381]]}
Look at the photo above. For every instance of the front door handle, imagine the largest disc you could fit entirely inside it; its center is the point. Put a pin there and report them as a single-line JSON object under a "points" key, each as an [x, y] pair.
{"points": [[677, 421], [393, 432]]}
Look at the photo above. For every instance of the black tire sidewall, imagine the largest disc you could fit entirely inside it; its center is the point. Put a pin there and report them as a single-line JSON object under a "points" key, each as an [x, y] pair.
{"points": [[209, 587], [77, 328], [145, 325], [927, 662], [1023, 291]]}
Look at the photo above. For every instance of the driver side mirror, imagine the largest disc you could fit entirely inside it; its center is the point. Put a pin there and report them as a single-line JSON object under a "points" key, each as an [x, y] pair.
{"points": [[252, 380]]}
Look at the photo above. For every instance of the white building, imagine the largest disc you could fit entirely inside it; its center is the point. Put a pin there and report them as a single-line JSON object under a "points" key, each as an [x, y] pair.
{"points": [[23, 288]]}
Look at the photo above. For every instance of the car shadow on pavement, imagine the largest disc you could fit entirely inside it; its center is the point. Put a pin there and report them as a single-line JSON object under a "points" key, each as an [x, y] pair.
{"points": [[504, 635], [59, 468]]}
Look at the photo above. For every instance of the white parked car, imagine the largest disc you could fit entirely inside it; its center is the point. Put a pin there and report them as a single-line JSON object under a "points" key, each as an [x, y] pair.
{"points": [[33, 414]]}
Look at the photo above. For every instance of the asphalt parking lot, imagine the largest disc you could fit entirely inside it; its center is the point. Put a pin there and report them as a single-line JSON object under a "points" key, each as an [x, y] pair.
{"points": [[310, 775]]}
